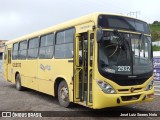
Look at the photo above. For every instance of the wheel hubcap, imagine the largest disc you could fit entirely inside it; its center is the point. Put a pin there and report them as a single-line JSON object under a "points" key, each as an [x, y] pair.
{"points": [[18, 84], [64, 93]]}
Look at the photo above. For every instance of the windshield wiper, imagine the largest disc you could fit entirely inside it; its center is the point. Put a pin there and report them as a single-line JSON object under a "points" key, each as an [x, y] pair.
{"points": [[121, 39], [123, 44]]}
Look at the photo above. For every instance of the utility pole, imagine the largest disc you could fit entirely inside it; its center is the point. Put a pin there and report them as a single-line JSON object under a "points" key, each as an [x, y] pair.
{"points": [[133, 13]]}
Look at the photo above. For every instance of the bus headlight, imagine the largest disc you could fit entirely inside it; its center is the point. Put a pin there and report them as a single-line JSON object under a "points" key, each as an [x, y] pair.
{"points": [[150, 85], [106, 87]]}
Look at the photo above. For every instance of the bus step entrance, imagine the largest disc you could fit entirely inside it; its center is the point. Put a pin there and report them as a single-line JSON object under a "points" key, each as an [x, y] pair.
{"points": [[85, 96]]}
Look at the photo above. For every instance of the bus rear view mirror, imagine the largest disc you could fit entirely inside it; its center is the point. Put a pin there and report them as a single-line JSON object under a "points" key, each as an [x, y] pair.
{"points": [[99, 35]]}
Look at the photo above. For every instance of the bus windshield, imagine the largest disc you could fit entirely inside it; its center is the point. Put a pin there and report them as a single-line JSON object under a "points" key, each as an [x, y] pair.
{"points": [[123, 23], [125, 53]]}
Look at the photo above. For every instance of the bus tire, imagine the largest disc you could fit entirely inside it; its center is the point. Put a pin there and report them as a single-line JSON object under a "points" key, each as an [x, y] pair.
{"points": [[63, 95], [18, 83]]}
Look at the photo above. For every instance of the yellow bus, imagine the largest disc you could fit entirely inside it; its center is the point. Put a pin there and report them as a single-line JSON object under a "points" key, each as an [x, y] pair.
{"points": [[99, 60]]}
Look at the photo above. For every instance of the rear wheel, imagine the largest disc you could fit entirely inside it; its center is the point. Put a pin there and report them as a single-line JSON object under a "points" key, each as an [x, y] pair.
{"points": [[18, 83], [63, 94]]}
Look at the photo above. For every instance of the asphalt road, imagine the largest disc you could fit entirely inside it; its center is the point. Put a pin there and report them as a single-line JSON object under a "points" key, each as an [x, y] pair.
{"points": [[30, 100]]}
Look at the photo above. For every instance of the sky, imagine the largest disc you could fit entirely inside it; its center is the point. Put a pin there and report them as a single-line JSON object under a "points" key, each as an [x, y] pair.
{"points": [[21, 17]]}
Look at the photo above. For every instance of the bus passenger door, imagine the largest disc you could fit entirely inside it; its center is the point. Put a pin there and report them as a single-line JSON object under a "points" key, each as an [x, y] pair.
{"points": [[83, 57], [9, 65], [89, 66], [5, 64]]}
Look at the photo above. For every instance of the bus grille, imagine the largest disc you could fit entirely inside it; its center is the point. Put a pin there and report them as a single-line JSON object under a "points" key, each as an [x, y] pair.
{"points": [[128, 90], [129, 98]]}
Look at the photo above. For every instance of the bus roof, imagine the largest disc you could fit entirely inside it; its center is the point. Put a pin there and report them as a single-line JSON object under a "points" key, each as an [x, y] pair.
{"points": [[71, 23]]}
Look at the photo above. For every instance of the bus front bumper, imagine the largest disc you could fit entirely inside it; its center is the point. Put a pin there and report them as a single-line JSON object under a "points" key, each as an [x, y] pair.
{"points": [[103, 100]]}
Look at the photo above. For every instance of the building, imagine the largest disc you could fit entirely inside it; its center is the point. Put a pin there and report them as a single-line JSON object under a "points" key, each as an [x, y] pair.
{"points": [[157, 43], [2, 43]]}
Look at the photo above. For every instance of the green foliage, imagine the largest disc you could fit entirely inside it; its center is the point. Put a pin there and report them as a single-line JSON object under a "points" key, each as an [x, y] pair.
{"points": [[155, 31], [156, 48], [156, 22], [155, 36], [154, 28]]}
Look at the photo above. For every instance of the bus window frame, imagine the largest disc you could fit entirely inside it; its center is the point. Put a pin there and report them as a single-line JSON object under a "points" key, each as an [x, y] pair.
{"points": [[149, 32], [47, 46], [33, 48], [23, 49], [14, 51], [73, 27]]}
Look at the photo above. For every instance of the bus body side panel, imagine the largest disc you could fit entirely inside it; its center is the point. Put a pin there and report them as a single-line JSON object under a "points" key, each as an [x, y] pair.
{"points": [[15, 69], [46, 69], [28, 72]]}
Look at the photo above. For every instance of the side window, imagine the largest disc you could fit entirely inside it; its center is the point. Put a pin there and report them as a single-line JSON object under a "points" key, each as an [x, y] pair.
{"points": [[33, 45], [22, 50], [15, 51], [64, 44], [46, 47]]}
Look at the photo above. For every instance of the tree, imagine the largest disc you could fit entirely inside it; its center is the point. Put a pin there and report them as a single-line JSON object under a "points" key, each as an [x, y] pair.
{"points": [[155, 36], [156, 22]]}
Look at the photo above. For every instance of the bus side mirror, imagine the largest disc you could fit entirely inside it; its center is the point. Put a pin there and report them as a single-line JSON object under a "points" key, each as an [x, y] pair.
{"points": [[99, 35]]}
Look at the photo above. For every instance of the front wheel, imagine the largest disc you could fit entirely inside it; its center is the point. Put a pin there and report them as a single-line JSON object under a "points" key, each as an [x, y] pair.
{"points": [[63, 95]]}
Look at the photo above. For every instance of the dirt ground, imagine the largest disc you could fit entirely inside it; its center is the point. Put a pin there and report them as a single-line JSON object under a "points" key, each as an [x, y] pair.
{"points": [[30, 100]]}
